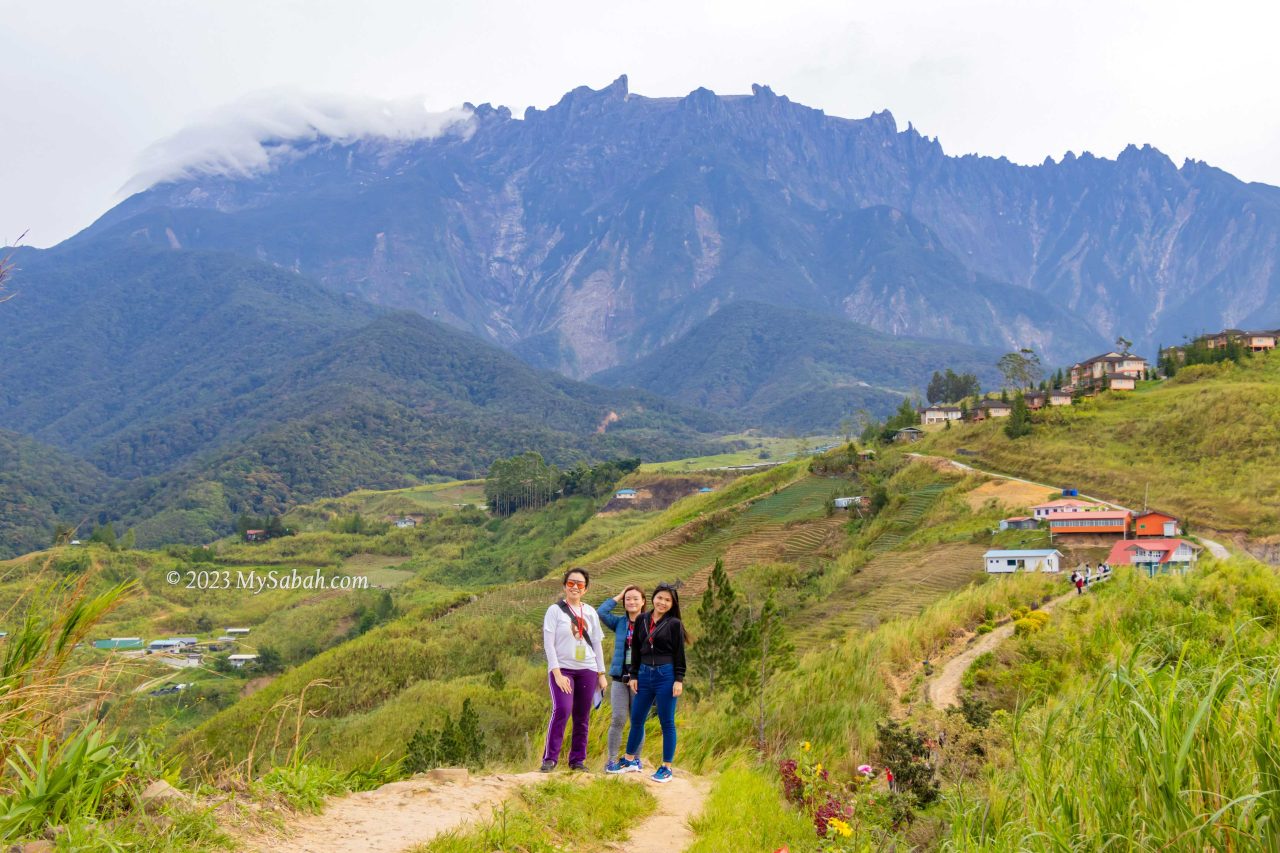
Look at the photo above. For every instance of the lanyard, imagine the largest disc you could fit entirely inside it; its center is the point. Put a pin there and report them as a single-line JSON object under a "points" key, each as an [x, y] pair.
{"points": [[579, 619]]}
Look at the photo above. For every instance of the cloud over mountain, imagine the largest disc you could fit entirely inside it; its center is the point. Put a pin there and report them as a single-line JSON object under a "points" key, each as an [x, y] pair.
{"points": [[255, 134]]}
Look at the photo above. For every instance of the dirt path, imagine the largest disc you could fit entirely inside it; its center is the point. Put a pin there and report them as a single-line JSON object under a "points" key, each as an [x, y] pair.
{"points": [[667, 829], [943, 690], [395, 817], [401, 815]]}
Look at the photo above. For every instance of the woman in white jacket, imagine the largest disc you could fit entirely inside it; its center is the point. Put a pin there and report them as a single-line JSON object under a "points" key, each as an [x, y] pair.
{"points": [[571, 637]]}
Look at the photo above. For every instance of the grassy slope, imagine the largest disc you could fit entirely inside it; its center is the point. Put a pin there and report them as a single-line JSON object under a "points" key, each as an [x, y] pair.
{"points": [[1206, 443]]}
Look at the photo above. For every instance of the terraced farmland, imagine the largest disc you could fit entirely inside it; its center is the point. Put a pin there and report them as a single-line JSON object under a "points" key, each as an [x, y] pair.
{"points": [[918, 503], [891, 585], [790, 524]]}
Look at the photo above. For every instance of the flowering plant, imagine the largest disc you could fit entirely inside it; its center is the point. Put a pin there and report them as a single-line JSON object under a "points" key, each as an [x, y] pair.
{"points": [[844, 812]]}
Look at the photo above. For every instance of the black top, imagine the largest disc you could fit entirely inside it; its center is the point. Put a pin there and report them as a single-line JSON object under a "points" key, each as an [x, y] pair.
{"points": [[663, 644]]}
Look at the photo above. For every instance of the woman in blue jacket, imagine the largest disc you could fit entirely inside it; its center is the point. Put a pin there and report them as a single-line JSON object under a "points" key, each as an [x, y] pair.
{"points": [[623, 627]]}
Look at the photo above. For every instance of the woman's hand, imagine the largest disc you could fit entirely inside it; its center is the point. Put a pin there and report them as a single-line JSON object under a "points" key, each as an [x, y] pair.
{"points": [[563, 682], [634, 685], [677, 688], [604, 683]]}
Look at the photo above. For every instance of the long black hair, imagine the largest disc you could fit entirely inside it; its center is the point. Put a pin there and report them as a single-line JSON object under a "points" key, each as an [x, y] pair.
{"points": [[675, 608]]}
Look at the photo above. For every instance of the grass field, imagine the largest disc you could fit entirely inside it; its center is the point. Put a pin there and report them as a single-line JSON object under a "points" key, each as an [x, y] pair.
{"points": [[760, 449]]}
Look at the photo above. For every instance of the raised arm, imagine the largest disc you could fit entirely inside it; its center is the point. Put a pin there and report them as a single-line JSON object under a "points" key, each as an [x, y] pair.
{"points": [[606, 614]]}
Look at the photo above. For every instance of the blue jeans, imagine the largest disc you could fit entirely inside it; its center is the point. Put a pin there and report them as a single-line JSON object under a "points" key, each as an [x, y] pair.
{"points": [[655, 683]]}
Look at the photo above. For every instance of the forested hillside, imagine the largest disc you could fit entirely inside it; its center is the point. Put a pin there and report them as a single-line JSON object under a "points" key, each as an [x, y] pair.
{"points": [[787, 369]]}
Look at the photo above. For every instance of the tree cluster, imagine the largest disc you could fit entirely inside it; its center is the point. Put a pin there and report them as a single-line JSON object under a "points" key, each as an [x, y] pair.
{"points": [[952, 387], [528, 482], [271, 524]]}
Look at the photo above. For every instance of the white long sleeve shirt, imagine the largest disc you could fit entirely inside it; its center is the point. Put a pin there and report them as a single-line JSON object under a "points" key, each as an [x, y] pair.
{"points": [[562, 647]]}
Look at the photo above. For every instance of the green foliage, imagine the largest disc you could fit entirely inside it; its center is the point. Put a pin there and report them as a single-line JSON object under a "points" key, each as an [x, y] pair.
{"points": [[305, 786], [951, 387], [1020, 369], [554, 816], [452, 745], [717, 655], [740, 791], [358, 525], [1018, 423], [904, 751], [765, 652], [105, 535]]}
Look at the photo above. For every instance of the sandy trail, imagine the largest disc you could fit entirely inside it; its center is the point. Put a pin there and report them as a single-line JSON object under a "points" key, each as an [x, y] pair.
{"points": [[401, 815], [943, 690], [395, 817], [667, 829]]}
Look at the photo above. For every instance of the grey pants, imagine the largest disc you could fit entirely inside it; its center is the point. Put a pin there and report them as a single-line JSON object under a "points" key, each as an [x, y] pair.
{"points": [[620, 705]]}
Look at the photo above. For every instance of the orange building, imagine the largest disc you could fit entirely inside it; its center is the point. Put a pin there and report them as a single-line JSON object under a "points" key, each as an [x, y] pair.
{"points": [[1154, 523], [1103, 521]]}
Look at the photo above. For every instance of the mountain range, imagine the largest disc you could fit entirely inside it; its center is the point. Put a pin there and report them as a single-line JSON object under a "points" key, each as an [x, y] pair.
{"points": [[589, 234], [373, 312]]}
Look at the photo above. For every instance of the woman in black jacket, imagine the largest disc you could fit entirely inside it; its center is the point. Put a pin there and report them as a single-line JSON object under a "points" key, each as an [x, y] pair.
{"points": [[656, 675]]}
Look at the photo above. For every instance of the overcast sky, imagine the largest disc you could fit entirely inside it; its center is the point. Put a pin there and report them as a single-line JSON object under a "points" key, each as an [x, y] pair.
{"points": [[87, 85]]}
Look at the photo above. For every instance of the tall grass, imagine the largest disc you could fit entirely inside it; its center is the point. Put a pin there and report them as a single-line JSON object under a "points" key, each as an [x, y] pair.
{"points": [[1165, 748]]}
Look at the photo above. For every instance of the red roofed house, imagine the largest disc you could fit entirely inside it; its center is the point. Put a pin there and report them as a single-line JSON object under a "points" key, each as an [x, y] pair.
{"points": [[1155, 555], [1103, 521], [255, 535], [1154, 523], [1043, 511]]}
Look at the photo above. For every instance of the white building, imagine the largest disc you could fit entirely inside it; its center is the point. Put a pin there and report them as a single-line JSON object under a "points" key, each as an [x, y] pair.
{"points": [[240, 660], [1042, 560]]}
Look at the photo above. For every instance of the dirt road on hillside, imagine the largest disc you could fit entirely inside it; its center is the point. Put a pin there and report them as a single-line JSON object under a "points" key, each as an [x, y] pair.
{"points": [[943, 690], [402, 815]]}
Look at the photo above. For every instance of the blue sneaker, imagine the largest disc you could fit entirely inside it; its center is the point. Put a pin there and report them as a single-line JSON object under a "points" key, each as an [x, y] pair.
{"points": [[663, 774], [622, 765]]}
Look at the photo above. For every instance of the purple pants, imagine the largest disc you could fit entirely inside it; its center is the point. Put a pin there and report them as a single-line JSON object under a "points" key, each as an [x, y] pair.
{"points": [[577, 703]]}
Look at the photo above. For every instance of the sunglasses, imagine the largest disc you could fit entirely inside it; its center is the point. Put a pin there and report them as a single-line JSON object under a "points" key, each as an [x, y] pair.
{"points": [[576, 584]]}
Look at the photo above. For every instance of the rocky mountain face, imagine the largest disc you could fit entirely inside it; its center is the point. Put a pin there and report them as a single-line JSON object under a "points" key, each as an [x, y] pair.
{"points": [[589, 234]]}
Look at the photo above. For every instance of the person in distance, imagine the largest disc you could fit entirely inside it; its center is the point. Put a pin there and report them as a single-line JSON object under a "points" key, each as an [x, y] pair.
{"points": [[623, 627]]}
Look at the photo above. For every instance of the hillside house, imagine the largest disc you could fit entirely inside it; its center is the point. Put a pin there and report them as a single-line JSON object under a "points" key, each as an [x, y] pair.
{"points": [[992, 409], [1095, 373], [171, 644], [236, 632], [1155, 555], [939, 415], [1019, 522], [1058, 397], [907, 434], [1120, 382], [240, 660], [1097, 522], [1043, 511], [1036, 400], [1156, 523], [1261, 341], [406, 522], [859, 501], [625, 494], [255, 536], [1030, 560]]}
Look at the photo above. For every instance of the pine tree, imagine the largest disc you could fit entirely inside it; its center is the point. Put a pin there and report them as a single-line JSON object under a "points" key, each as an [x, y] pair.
{"points": [[765, 651], [717, 657], [1019, 423], [471, 746]]}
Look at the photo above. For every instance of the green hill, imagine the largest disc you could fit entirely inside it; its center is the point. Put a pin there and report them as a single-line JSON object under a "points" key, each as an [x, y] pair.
{"points": [[1204, 445], [783, 368], [39, 483], [214, 385]]}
